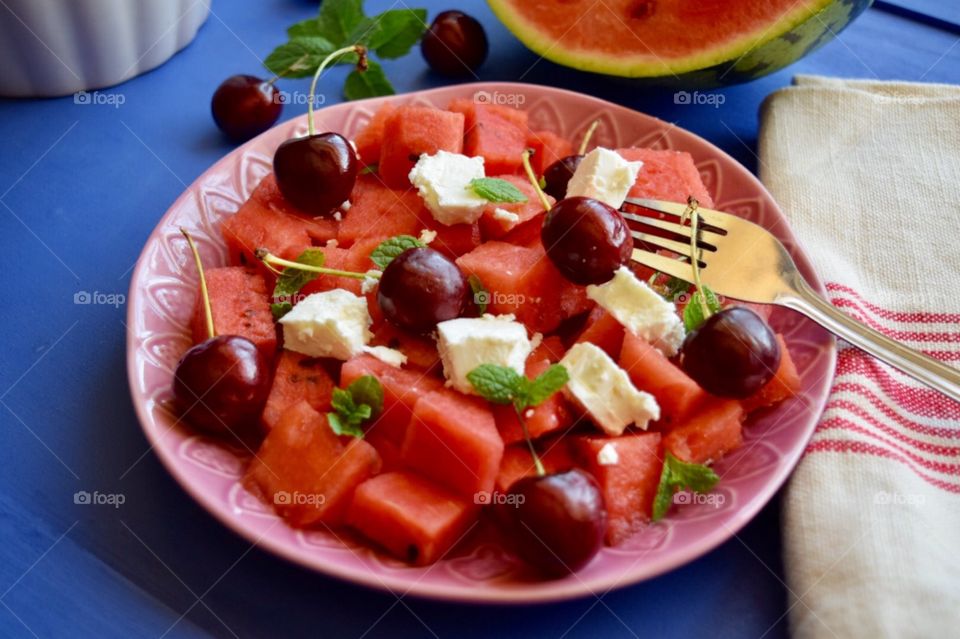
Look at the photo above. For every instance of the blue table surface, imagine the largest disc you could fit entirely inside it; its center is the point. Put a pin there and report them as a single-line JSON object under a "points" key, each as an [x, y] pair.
{"points": [[81, 187]]}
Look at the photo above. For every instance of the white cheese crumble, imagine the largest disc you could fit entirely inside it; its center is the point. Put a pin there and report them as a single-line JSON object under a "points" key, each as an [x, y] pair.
{"points": [[604, 175], [387, 355], [505, 216], [466, 343], [641, 310], [329, 324], [427, 236], [604, 391], [608, 455], [370, 281], [443, 181]]}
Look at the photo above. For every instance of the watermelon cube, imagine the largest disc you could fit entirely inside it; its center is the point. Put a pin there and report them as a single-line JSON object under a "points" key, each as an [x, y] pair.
{"points": [[650, 371], [551, 415], [453, 440], [412, 131], [297, 378], [548, 147], [500, 219], [497, 133], [454, 240], [708, 433], [630, 485], [306, 472], [370, 139], [517, 461], [603, 330], [240, 304], [268, 195], [785, 383], [550, 349], [378, 211], [411, 517], [667, 175], [421, 351]]}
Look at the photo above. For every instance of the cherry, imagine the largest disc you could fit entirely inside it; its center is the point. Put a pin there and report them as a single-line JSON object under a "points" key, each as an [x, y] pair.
{"points": [[420, 288], [733, 354], [556, 522], [316, 173], [455, 44], [558, 175], [586, 239], [244, 106], [222, 384]]}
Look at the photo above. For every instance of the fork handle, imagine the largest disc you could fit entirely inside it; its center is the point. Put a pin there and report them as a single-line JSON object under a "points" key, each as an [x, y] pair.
{"points": [[925, 369]]}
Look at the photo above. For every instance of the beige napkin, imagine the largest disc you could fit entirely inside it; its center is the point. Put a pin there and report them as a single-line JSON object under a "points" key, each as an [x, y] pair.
{"points": [[869, 175]]}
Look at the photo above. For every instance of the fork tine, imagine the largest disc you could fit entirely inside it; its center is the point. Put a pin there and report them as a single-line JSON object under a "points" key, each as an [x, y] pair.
{"points": [[664, 264], [709, 217], [707, 238], [681, 248]]}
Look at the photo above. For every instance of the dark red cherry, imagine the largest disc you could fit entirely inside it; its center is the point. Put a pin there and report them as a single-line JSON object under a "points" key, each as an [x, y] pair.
{"points": [[586, 239], [244, 106], [558, 175], [733, 354], [222, 384], [316, 173], [420, 288], [455, 44], [556, 522]]}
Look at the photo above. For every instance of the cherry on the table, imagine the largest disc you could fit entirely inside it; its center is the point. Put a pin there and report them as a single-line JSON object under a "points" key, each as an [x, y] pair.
{"points": [[244, 106], [455, 44]]}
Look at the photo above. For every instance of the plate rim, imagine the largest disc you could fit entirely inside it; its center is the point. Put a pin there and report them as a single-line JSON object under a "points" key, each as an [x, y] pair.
{"points": [[541, 592]]}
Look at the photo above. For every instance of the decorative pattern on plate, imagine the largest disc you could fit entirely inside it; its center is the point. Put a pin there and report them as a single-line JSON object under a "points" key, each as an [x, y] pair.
{"points": [[162, 294]]}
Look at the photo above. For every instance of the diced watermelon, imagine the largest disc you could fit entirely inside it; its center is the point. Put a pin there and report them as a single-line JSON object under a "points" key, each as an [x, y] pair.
{"points": [[630, 485], [527, 233], [524, 282], [548, 147], [667, 175], [454, 240], [297, 378], [421, 351], [415, 519], [453, 440], [785, 383], [517, 461], [496, 132], [240, 304], [678, 395], [603, 330], [377, 211], [708, 433], [306, 472], [268, 194], [412, 131], [494, 226], [552, 415], [401, 389], [370, 138], [551, 349]]}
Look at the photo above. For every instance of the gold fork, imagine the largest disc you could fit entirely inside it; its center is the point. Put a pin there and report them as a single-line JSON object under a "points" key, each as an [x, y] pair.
{"points": [[743, 261]]}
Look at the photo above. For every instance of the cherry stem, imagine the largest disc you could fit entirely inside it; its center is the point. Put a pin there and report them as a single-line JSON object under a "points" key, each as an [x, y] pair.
{"points": [[361, 63], [204, 294], [525, 157], [694, 215], [541, 471], [270, 259], [587, 136]]}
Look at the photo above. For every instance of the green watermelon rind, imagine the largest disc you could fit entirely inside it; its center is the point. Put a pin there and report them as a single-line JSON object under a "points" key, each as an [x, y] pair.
{"points": [[777, 46]]}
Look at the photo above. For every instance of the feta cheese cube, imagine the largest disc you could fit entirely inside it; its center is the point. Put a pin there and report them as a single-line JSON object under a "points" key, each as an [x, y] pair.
{"points": [[604, 391], [604, 175], [443, 180], [466, 343], [608, 455], [329, 324], [641, 310]]}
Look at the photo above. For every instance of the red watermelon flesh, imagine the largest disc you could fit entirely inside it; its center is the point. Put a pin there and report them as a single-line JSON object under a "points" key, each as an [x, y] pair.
{"points": [[401, 389], [378, 211], [411, 517], [650, 371], [297, 378], [630, 485], [548, 147], [306, 472], [240, 305], [493, 227], [412, 131], [268, 194], [552, 415], [517, 461], [421, 351], [495, 132], [551, 349], [526, 233], [454, 240], [370, 139], [667, 175], [603, 330], [708, 433], [453, 440], [784, 385]]}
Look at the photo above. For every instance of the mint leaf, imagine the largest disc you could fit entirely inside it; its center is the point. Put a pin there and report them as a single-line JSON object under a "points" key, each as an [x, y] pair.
{"points": [[497, 190], [367, 391], [546, 384], [341, 428], [360, 401], [392, 33], [481, 296], [677, 474], [367, 84], [292, 280], [298, 58], [693, 313], [391, 248], [496, 384], [338, 19]]}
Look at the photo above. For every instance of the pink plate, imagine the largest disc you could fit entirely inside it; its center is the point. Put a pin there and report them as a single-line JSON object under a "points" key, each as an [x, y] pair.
{"points": [[162, 295]]}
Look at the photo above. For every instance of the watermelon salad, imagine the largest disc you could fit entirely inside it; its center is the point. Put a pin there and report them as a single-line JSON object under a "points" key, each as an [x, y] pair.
{"points": [[438, 323]]}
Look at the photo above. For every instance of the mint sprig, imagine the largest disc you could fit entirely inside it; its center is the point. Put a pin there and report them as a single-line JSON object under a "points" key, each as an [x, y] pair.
{"points": [[291, 280], [693, 316], [360, 401], [342, 23], [497, 190], [503, 385], [680, 475], [390, 248]]}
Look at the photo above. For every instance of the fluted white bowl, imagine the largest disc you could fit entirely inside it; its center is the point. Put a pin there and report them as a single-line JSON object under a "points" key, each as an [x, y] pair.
{"points": [[57, 47]]}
